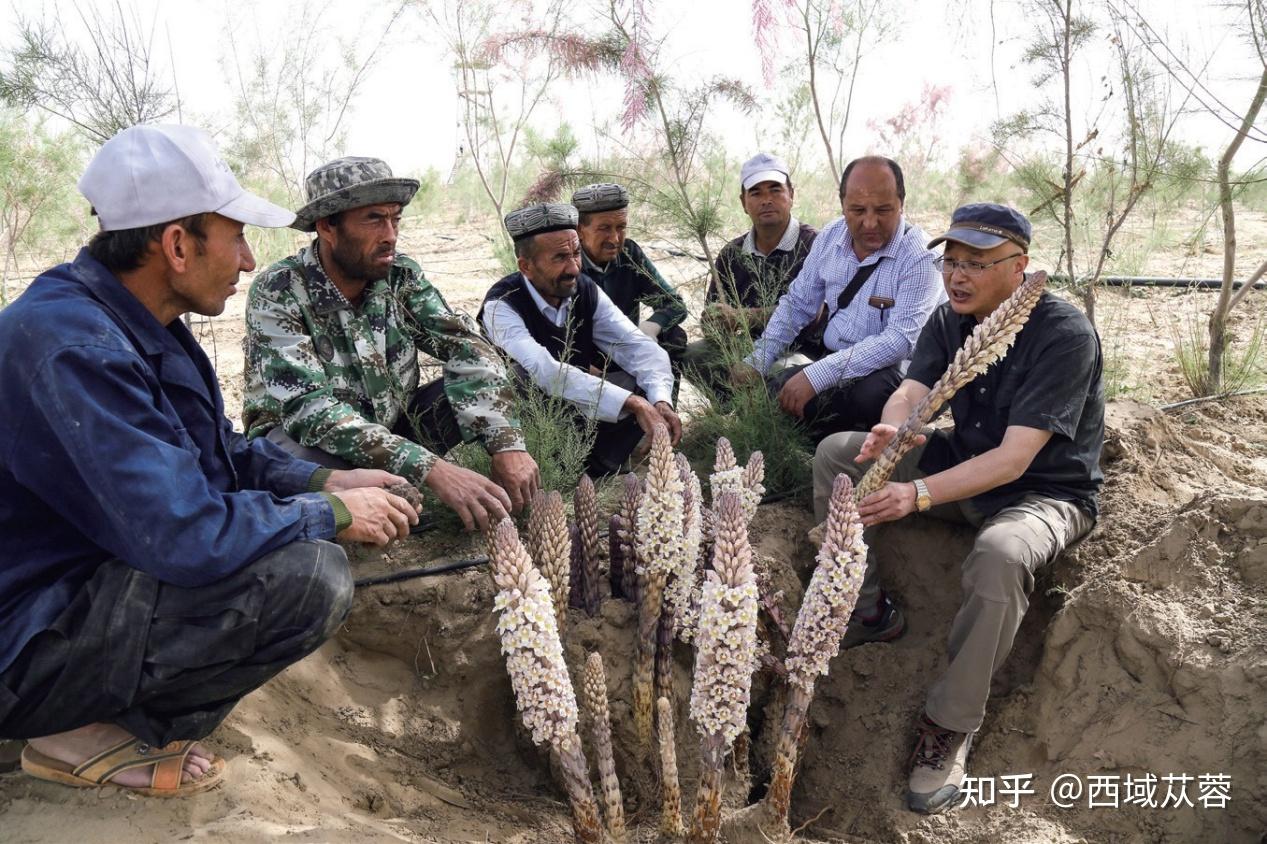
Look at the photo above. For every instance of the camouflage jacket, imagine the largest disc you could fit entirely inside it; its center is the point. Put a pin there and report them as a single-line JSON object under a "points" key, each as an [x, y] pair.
{"points": [[339, 377]]}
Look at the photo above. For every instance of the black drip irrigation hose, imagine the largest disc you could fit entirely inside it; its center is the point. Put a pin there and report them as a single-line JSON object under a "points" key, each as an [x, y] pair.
{"points": [[459, 565], [410, 574], [1160, 281]]}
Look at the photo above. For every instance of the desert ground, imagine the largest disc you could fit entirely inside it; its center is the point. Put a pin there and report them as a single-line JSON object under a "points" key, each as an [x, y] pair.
{"points": [[1144, 651]]}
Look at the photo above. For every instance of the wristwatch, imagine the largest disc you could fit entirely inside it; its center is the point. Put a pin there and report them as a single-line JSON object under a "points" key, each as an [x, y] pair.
{"points": [[922, 499]]}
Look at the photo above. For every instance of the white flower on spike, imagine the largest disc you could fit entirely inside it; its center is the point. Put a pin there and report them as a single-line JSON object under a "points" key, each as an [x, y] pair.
{"points": [[682, 592], [832, 592], [660, 536], [530, 641], [726, 639]]}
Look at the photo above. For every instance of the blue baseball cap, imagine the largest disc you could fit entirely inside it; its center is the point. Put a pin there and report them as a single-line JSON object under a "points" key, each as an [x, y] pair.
{"points": [[984, 225]]}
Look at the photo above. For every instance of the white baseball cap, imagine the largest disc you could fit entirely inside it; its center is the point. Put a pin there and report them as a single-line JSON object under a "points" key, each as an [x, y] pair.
{"points": [[763, 167], [157, 173]]}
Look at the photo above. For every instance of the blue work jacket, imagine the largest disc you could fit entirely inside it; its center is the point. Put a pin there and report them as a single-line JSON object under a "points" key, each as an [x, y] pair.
{"points": [[114, 444]]}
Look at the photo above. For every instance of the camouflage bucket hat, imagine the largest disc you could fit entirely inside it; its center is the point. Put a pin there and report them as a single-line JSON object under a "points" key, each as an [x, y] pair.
{"points": [[351, 182]]}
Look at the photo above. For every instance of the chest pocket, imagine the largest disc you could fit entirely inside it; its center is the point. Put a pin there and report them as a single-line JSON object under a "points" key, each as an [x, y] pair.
{"points": [[1005, 387]]}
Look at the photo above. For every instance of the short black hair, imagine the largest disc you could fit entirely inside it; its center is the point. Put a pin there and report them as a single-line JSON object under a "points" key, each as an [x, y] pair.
{"points": [[124, 250], [526, 247], [876, 159]]}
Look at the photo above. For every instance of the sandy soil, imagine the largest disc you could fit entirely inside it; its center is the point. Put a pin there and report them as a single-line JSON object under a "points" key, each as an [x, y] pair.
{"points": [[1143, 652]]}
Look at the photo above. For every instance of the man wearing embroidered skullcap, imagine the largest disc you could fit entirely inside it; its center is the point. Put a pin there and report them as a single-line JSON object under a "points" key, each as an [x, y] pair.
{"points": [[623, 271], [333, 335], [556, 324], [157, 566]]}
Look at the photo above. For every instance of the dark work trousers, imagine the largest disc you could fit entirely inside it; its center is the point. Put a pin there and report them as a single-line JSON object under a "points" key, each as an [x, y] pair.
{"points": [[855, 406], [165, 662], [613, 441], [429, 421]]}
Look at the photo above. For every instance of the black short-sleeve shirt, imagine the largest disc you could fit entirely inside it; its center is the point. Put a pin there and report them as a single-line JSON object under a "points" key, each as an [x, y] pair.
{"points": [[1050, 380]]}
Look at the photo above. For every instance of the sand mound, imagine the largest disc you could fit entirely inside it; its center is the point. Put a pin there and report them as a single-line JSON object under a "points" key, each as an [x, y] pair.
{"points": [[1142, 652]]}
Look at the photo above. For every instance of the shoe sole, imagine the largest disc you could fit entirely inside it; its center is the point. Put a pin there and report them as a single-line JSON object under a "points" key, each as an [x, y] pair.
{"points": [[923, 803]]}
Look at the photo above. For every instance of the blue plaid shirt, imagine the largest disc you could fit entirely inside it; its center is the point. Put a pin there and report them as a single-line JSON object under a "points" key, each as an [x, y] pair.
{"points": [[861, 338]]}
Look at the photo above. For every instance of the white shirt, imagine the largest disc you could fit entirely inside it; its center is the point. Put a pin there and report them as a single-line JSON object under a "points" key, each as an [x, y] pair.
{"points": [[614, 335]]}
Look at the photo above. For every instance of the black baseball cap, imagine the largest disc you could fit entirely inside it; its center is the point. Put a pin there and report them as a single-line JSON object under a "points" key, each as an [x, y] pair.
{"points": [[984, 225]]}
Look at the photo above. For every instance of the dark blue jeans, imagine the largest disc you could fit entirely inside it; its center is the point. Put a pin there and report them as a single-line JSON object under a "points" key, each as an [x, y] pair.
{"points": [[167, 663]]}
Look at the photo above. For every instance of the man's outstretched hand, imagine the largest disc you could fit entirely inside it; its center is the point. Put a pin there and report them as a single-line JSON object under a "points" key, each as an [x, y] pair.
{"points": [[518, 474], [478, 501], [878, 440], [378, 517], [649, 415]]}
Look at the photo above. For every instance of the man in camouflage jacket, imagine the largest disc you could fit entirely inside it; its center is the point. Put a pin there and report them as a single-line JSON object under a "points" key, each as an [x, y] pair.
{"points": [[331, 354]]}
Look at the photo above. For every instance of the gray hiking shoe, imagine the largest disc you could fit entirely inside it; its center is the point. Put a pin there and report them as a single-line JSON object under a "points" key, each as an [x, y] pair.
{"points": [[939, 766], [885, 624]]}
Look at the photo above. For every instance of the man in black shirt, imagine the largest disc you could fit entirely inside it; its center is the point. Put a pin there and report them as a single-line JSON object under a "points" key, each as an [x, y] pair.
{"points": [[1021, 465], [752, 272]]}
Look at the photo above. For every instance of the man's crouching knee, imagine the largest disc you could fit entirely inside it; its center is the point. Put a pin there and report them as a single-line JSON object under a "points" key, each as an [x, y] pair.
{"points": [[308, 593]]}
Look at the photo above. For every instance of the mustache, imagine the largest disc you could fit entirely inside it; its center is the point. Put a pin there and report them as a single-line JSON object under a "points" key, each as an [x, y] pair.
{"points": [[564, 279]]}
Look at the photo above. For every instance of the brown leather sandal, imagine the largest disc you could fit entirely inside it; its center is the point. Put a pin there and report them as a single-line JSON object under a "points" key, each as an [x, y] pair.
{"points": [[167, 763]]}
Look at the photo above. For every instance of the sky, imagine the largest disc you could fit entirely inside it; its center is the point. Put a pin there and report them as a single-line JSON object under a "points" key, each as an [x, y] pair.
{"points": [[407, 111]]}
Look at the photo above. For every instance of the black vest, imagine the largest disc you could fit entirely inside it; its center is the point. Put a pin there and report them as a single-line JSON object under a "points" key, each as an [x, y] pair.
{"points": [[573, 342]]}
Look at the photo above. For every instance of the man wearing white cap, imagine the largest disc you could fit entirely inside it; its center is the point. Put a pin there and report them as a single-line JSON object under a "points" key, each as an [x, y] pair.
{"points": [[752, 272], [872, 272], [157, 566]]}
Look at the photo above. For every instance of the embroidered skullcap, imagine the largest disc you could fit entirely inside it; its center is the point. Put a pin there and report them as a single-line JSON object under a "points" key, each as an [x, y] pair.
{"points": [[603, 196], [539, 219]]}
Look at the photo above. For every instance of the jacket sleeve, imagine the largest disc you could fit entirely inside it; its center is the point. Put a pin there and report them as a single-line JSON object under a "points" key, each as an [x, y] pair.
{"points": [[103, 455], [288, 383], [476, 380], [262, 465]]}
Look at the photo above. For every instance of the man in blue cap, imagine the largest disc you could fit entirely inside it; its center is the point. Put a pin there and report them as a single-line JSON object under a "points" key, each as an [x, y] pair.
{"points": [[1021, 466]]}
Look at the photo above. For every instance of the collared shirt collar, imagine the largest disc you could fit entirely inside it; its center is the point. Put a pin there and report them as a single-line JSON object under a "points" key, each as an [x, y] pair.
{"points": [[588, 265], [786, 243], [550, 312], [186, 366], [152, 335], [888, 250]]}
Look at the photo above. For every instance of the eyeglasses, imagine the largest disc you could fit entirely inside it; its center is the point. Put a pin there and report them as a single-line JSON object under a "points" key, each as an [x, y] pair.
{"points": [[971, 269]]}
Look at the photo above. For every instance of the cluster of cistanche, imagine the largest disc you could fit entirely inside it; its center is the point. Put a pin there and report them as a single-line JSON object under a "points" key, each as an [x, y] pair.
{"points": [[691, 573]]}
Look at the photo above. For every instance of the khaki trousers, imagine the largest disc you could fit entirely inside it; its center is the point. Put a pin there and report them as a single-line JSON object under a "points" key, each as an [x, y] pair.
{"points": [[997, 576]]}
